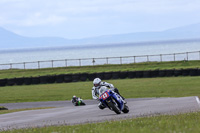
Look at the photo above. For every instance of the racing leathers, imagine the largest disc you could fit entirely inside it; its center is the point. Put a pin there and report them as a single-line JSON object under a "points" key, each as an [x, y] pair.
{"points": [[95, 92]]}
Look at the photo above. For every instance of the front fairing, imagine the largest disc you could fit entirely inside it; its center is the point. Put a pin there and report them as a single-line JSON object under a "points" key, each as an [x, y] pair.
{"points": [[110, 95], [104, 97]]}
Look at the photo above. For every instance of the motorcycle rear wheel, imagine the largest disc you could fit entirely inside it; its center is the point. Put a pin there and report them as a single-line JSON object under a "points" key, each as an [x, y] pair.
{"points": [[126, 109]]}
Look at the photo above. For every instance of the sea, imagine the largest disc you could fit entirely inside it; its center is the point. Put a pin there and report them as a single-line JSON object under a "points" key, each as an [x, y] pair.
{"points": [[98, 54]]}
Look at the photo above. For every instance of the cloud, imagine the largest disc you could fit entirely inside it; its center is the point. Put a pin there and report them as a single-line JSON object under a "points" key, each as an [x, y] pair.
{"points": [[70, 8], [98, 15]]}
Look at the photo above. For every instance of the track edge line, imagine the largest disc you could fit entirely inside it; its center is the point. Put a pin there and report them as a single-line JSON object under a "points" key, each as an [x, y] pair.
{"points": [[198, 101]]}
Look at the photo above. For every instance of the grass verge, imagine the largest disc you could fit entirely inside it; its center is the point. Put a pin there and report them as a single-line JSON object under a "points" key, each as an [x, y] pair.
{"points": [[17, 110], [182, 123], [129, 88]]}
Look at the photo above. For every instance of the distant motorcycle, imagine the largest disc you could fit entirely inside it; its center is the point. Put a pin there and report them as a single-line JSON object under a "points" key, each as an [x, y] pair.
{"points": [[112, 100], [76, 101]]}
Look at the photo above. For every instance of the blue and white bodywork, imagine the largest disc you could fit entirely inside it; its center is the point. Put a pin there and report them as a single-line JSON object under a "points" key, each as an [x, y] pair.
{"points": [[112, 100]]}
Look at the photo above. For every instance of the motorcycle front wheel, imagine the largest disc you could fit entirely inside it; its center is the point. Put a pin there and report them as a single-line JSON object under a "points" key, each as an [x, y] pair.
{"points": [[114, 107]]}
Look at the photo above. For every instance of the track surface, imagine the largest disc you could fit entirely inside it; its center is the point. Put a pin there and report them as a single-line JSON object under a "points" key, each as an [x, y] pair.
{"points": [[66, 113]]}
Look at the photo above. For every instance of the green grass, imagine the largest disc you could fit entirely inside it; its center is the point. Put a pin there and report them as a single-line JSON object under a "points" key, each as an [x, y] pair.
{"points": [[101, 68], [129, 88], [182, 123]]}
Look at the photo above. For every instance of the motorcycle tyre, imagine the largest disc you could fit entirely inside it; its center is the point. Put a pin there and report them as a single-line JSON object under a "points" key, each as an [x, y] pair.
{"points": [[126, 109], [82, 103], [114, 107]]}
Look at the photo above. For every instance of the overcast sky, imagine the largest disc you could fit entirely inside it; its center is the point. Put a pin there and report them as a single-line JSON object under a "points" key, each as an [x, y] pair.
{"points": [[88, 18]]}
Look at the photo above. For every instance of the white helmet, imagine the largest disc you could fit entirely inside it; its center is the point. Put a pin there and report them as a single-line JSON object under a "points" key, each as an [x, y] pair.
{"points": [[97, 82]]}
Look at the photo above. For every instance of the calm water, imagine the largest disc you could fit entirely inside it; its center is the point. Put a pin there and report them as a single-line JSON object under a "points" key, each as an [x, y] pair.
{"points": [[98, 52]]}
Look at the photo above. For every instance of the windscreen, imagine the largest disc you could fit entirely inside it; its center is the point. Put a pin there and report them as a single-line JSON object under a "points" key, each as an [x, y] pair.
{"points": [[102, 90]]}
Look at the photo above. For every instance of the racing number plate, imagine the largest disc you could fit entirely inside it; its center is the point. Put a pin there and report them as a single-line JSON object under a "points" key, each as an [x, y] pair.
{"points": [[105, 96]]}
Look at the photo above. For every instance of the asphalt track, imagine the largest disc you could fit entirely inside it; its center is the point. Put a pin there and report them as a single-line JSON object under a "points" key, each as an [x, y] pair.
{"points": [[66, 113]]}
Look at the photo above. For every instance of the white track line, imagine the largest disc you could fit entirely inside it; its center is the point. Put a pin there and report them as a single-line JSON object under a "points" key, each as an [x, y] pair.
{"points": [[198, 101]]}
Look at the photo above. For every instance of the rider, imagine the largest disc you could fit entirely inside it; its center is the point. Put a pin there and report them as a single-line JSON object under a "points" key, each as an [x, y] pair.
{"points": [[97, 85]]}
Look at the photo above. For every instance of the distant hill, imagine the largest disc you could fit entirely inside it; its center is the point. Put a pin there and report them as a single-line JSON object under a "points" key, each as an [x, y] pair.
{"points": [[9, 40], [185, 32]]}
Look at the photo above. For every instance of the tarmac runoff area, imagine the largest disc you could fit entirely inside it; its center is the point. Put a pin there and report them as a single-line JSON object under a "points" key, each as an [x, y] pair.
{"points": [[66, 113]]}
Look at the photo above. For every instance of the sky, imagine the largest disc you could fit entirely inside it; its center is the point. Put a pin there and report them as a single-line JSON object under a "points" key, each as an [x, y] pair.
{"points": [[76, 19]]}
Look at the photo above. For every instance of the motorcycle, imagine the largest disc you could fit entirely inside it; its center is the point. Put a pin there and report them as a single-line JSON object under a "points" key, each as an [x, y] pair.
{"points": [[76, 101], [112, 100]]}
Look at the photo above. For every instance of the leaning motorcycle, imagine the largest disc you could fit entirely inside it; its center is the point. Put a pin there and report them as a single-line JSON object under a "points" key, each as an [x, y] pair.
{"points": [[77, 101], [112, 100]]}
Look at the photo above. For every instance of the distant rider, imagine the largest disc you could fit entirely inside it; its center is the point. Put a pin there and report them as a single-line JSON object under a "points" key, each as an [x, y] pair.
{"points": [[95, 90]]}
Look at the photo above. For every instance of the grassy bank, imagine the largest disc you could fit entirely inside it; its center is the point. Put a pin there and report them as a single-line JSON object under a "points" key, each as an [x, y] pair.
{"points": [[129, 88], [182, 123], [101, 68]]}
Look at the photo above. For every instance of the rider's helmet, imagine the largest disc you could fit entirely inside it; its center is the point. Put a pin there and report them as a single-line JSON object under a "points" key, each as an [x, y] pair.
{"points": [[74, 98], [97, 82]]}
